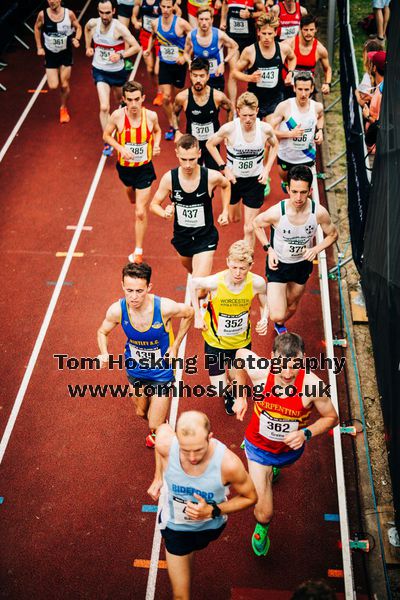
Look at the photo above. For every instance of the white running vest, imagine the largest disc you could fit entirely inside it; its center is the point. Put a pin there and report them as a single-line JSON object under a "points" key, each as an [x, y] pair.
{"points": [[57, 41], [104, 45], [245, 159], [289, 241], [292, 149]]}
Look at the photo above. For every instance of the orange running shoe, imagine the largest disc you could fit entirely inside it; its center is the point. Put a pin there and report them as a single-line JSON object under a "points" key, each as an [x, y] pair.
{"points": [[135, 258], [64, 115], [158, 100]]}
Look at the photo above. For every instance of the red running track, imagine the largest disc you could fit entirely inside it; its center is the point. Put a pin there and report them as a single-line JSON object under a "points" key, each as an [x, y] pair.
{"points": [[75, 472]]}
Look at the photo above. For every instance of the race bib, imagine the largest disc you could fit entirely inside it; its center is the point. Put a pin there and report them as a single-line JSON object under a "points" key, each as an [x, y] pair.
{"points": [[190, 216], [179, 506], [139, 151], [213, 65], [103, 54], [230, 325], [237, 25], [294, 249], [147, 21], [269, 77], [146, 356], [169, 53], [56, 43], [275, 429], [243, 166], [289, 31], [202, 131]]}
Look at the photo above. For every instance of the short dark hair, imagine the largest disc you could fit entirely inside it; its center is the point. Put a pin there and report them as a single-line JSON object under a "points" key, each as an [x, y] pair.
{"points": [[304, 76], [112, 2], [132, 86], [187, 141], [289, 345], [300, 173], [314, 590], [199, 64], [307, 20], [142, 271]]}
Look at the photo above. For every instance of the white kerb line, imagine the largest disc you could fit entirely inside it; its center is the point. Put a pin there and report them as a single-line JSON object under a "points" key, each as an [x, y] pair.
{"points": [[31, 102], [173, 413], [53, 301], [350, 593]]}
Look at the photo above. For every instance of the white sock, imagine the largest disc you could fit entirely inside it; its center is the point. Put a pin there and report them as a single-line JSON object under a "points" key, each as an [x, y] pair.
{"points": [[138, 251]]}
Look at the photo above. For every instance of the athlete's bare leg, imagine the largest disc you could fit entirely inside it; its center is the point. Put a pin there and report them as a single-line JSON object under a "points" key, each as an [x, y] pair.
{"points": [[235, 213], [249, 216], [140, 401], [158, 411], [262, 479], [142, 201], [294, 292], [180, 571], [65, 76], [103, 91], [277, 301], [168, 102]]}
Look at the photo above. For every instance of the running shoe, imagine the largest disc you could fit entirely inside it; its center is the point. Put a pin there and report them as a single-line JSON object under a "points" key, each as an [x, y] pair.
{"points": [[158, 100], [242, 445], [284, 186], [229, 401], [150, 440], [267, 188], [275, 473], [108, 150], [170, 134], [64, 115], [135, 258], [260, 540], [280, 328], [128, 64]]}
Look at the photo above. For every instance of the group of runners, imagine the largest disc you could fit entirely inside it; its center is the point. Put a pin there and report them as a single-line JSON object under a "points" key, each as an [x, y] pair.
{"points": [[273, 48]]}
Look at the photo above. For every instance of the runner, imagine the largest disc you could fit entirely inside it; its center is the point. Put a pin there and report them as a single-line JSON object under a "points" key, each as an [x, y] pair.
{"points": [[146, 321], [208, 42], [246, 139], [191, 189], [201, 105], [278, 431], [144, 13], [171, 32], [261, 65], [226, 322], [193, 469], [309, 51], [137, 140], [300, 121], [61, 30], [289, 13], [193, 7], [124, 16], [291, 253], [109, 37]]}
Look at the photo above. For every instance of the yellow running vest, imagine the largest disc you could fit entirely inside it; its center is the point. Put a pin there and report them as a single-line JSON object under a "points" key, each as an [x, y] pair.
{"points": [[228, 316]]}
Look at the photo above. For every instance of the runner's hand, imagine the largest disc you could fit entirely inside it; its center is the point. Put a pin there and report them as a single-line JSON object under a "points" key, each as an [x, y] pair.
{"points": [[199, 323], [222, 25], [75, 43], [319, 137], [89, 52], [157, 150], [217, 5], [262, 326], [295, 439], [288, 79], [244, 13], [136, 23], [198, 511], [126, 154], [240, 408], [146, 53], [40, 52], [309, 254], [114, 57], [297, 131], [220, 70], [103, 358], [223, 219], [180, 60], [178, 135], [169, 212], [325, 88], [229, 175], [272, 259], [263, 178], [155, 489], [254, 77]]}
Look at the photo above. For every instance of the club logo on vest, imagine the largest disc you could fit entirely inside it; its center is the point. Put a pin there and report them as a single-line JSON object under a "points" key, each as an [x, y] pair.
{"points": [[157, 325]]}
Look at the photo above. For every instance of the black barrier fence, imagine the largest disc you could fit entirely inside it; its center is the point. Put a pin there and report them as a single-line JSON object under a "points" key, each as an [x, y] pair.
{"points": [[358, 185], [13, 13], [381, 265]]}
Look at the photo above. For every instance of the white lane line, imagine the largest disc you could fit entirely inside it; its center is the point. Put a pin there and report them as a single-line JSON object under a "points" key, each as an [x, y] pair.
{"points": [[53, 301], [173, 413], [31, 102], [340, 480]]}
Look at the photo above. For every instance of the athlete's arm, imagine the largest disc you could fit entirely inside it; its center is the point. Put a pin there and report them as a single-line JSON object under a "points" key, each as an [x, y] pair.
{"points": [[322, 54], [263, 220], [224, 14], [152, 38], [89, 27], [126, 35], [246, 60], [323, 404], [276, 119], [170, 309], [38, 34], [215, 140], [258, 377], [164, 190], [208, 284], [272, 141], [289, 56], [108, 136], [216, 179], [113, 318], [260, 287], [319, 135], [330, 231], [188, 49], [179, 105], [156, 132], [78, 29], [303, 11], [232, 473], [136, 22], [164, 437], [222, 101], [231, 45]]}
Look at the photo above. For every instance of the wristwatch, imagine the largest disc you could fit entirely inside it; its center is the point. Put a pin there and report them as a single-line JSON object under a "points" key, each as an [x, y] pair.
{"points": [[307, 434], [266, 247], [221, 167], [216, 511]]}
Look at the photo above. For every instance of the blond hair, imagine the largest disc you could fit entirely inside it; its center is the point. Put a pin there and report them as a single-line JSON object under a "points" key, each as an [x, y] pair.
{"points": [[191, 421], [204, 9], [247, 99], [267, 19], [241, 251]]}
